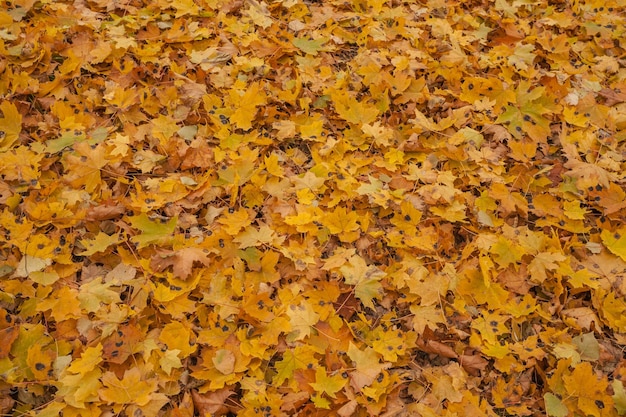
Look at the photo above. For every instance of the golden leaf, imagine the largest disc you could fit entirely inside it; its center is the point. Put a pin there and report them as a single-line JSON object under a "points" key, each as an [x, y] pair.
{"points": [[10, 125], [133, 388]]}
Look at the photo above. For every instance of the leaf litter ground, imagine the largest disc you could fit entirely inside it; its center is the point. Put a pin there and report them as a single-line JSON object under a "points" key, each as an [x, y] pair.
{"points": [[344, 208]]}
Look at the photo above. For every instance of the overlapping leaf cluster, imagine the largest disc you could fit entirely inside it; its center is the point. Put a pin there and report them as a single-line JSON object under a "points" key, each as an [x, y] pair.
{"points": [[327, 208]]}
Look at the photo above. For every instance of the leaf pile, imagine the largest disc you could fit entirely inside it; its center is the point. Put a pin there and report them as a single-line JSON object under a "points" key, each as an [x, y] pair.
{"points": [[344, 208]]}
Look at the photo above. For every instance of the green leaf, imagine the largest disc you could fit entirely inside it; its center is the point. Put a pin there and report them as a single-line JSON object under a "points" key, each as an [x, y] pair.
{"points": [[588, 347], [151, 231], [367, 290], [309, 46], [285, 368], [188, 132], [619, 396], [62, 142], [554, 406]]}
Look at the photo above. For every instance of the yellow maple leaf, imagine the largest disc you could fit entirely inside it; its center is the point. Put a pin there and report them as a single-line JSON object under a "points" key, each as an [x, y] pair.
{"points": [[343, 223], [79, 389], [367, 363], [133, 388], [301, 357], [177, 335], [325, 384], [88, 361], [63, 305], [252, 236], [352, 110], [99, 243], [522, 56], [245, 104], [272, 165], [305, 219], [20, 163], [185, 7], [10, 125], [233, 222], [302, 318], [584, 384], [615, 242], [366, 279], [542, 262], [163, 128], [447, 382], [95, 293], [39, 361]]}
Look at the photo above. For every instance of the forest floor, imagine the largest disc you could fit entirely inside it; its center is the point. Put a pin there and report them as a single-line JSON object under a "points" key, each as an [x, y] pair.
{"points": [[314, 208]]}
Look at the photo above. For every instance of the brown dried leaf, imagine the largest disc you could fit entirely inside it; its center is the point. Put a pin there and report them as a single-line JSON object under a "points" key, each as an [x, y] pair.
{"points": [[212, 403], [473, 364], [181, 260]]}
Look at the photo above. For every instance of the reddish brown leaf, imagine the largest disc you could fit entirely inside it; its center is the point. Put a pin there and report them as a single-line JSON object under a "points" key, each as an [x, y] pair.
{"points": [[212, 403]]}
